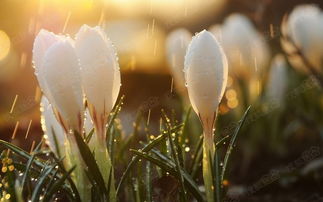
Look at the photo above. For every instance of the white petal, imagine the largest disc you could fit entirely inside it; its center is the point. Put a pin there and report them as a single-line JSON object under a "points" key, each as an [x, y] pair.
{"points": [[62, 75], [51, 127], [245, 48], [278, 79], [99, 68], [305, 26], [206, 72], [176, 45], [42, 42]]}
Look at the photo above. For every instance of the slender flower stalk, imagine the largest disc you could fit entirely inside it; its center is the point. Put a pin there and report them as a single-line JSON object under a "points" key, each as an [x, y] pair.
{"points": [[101, 84], [206, 72], [57, 70]]}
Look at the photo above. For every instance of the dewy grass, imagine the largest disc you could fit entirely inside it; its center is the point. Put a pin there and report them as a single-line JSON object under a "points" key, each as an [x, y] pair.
{"points": [[54, 178]]}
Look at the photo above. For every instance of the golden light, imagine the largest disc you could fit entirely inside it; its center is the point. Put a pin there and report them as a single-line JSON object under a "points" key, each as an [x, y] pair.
{"points": [[233, 103], [172, 12], [230, 81], [139, 45], [4, 45], [231, 94], [223, 109]]}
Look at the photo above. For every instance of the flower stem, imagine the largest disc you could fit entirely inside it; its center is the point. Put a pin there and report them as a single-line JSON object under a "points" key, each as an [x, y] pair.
{"points": [[79, 176], [104, 162], [208, 156]]}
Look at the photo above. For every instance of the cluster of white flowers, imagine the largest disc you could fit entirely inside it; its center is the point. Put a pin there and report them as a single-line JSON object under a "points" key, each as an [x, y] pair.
{"points": [[70, 72]]}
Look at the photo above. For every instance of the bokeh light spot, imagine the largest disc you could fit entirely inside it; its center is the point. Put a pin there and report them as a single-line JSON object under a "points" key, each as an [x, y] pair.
{"points": [[233, 103], [4, 45], [231, 94]]}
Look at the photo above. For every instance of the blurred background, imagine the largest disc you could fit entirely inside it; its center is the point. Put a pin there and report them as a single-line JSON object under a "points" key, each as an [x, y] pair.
{"points": [[138, 29]]}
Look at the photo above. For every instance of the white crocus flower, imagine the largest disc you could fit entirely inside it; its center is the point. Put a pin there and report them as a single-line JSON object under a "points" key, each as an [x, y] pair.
{"points": [[54, 133], [57, 70], [246, 49], [305, 27], [100, 74], [101, 84], [206, 72], [176, 45], [278, 80], [62, 75]]}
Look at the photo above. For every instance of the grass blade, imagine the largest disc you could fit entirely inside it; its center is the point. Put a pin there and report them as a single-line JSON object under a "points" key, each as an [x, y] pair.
{"points": [[178, 167], [26, 172], [217, 177], [57, 185], [232, 142], [41, 181], [198, 154], [189, 182], [20, 152], [147, 148], [89, 136]]}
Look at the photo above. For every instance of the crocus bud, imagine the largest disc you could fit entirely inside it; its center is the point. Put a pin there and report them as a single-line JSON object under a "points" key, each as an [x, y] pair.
{"points": [[304, 26], [176, 45], [61, 75], [206, 73], [54, 133], [247, 52], [278, 80], [100, 73]]}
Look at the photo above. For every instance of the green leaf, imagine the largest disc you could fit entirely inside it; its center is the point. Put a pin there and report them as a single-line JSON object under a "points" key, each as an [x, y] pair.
{"points": [[147, 148], [178, 167], [58, 151], [91, 164], [69, 179], [110, 180], [20, 152], [89, 136], [217, 177], [196, 163], [114, 115], [148, 182], [57, 185], [41, 181], [189, 182], [232, 142], [26, 172]]}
